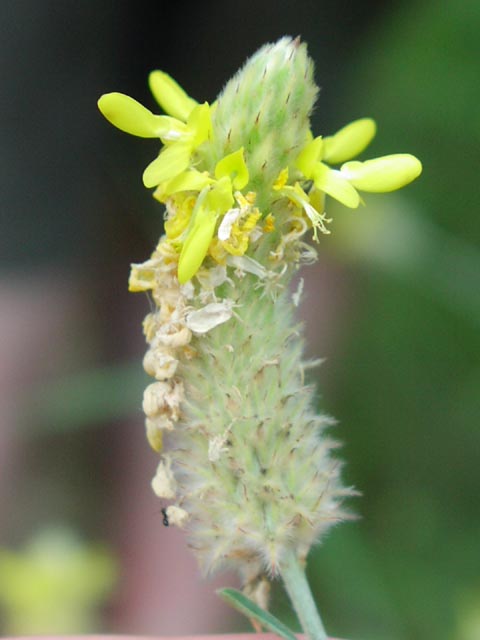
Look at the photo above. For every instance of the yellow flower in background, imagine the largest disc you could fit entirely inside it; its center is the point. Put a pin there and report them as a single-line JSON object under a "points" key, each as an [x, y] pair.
{"points": [[56, 584]]}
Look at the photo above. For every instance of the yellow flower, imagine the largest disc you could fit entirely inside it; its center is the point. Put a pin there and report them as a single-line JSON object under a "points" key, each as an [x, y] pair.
{"points": [[214, 200], [181, 134], [233, 165], [176, 156], [237, 225], [211, 203], [386, 173]]}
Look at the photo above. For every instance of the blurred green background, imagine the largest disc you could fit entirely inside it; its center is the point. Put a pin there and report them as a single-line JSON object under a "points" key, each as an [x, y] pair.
{"points": [[394, 304]]}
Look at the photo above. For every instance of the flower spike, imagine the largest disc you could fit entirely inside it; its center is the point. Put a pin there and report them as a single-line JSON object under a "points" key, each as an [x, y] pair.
{"points": [[245, 464]]}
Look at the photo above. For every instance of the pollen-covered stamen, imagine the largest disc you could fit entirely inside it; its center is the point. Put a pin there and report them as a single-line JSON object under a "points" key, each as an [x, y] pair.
{"points": [[269, 224], [298, 196]]}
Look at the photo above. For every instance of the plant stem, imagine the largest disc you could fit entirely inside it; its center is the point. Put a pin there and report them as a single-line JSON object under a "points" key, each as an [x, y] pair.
{"points": [[298, 589]]}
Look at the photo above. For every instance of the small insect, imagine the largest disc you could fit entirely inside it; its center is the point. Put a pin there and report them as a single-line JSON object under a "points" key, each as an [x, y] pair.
{"points": [[166, 523]]}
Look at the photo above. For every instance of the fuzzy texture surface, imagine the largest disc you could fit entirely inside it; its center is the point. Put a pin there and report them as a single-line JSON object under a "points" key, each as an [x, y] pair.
{"points": [[245, 462]]}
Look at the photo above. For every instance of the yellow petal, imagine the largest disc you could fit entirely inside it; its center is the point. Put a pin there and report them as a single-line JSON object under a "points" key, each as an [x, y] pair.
{"points": [[191, 180], [179, 216], [336, 185], [281, 180], [130, 116], [171, 162], [200, 124], [220, 197], [349, 141], [234, 166], [309, 156], [171, 129], [170, 95], [196, 245], [386, 173]]}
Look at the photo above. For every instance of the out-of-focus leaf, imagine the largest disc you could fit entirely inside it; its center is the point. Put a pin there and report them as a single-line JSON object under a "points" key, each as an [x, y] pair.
{"points": [[88, 398]]}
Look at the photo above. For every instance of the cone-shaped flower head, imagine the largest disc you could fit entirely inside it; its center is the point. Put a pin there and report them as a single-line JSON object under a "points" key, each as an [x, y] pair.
{"points": [[245, 463]]}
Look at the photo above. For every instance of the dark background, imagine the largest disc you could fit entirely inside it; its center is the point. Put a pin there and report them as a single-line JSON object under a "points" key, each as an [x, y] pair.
{"points": [[394, 304]]}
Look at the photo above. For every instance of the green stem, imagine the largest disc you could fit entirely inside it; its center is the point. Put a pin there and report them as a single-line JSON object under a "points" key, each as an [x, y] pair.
{"points": [[298, 589]]}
